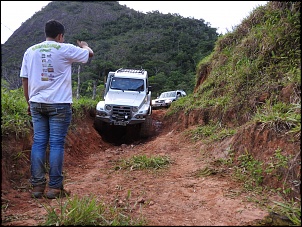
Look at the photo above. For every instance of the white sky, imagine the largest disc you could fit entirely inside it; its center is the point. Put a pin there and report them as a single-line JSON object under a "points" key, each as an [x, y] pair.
{"points": [[223, 15]]}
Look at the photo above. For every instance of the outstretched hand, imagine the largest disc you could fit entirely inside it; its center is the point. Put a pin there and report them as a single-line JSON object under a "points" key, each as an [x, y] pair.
{"points": [[82, 43]]}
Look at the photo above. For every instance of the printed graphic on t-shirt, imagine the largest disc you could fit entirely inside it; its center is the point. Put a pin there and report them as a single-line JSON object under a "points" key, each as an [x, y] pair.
{"points": [[44, 77], [47, 67]]}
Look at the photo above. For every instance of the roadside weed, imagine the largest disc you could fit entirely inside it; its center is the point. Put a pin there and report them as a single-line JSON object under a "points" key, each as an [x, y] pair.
{"points": [[138, 162], [86, 211], [280, 116], [290, 209]]}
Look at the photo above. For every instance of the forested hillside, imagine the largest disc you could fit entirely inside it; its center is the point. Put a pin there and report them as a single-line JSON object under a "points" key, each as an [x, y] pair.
{"points": [[168, 46]]}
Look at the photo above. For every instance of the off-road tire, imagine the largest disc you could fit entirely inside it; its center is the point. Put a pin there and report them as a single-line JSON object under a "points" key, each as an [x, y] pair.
{"points": [[146, 127], [100, 126]]}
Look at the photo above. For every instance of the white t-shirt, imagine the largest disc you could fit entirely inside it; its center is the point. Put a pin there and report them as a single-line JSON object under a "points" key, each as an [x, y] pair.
{"points": [[47, 66]]}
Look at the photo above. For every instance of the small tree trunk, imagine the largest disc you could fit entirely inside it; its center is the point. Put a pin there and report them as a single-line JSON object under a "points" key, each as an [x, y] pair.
{"points": [[94, 90], [78, 87]]}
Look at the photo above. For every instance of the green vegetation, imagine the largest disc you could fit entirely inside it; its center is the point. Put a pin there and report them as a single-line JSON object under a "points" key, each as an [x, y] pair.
{"points": [[14, 118], [277, 161], [291, 209], [249, 171], [82, 106], [204, 172], [210, 132], [168, 46], [249, 68], [87, 211], [280, 116], [252, 172], [139, 162]]}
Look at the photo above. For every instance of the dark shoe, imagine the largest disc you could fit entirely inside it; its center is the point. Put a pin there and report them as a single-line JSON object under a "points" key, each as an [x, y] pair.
{"points": [[38, 191], [53, 193]]}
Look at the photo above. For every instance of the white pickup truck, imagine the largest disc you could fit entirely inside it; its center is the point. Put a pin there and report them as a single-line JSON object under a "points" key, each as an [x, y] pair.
{"points": [[127, 101]]}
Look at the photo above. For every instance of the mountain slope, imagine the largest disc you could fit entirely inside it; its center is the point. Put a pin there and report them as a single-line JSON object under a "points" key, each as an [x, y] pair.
{"points": [[167, 46]]}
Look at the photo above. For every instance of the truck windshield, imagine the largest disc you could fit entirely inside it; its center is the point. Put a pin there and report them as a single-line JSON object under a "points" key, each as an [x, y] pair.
{"points": [[168, 94], [127, 84]]}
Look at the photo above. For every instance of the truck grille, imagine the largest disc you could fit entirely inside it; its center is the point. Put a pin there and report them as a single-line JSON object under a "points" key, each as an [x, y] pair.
{"points": [[119, 112]]}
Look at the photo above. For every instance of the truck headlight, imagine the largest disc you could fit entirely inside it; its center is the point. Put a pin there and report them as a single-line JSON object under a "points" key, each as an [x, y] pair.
{"points": [[134, 108], [108, 107]]}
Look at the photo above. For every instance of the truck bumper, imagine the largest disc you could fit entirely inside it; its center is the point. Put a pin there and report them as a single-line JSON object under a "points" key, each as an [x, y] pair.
{"points": [[110, 121]]}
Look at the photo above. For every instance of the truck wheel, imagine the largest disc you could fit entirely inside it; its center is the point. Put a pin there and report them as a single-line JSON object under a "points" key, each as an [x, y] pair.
{"points": [[99, 125], [146, 127], [150, 110]]}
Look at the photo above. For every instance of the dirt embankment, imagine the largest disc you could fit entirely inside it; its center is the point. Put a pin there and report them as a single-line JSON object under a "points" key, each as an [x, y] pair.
{"points": [[175, 196]]}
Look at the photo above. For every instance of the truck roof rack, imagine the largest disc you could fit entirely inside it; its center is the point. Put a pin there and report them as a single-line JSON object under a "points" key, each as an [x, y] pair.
{"points": [[131, 70]]}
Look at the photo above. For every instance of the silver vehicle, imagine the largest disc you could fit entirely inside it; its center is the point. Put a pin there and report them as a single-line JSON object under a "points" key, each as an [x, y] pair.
{"points": [[127, 101], [166, 98]]}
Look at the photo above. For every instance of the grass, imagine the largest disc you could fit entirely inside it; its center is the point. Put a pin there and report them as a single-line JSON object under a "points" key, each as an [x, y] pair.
{"points": [[206, 171], [88, 211], [210, 132], [252, 172], [16, 121], [250, 62], [14, 118], [249, 171], [290, 209], [83, 105], [140, 162], [280, 116]]}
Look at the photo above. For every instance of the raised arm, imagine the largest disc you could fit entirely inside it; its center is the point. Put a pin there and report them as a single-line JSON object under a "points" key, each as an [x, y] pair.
{"points": [[84, 45]]}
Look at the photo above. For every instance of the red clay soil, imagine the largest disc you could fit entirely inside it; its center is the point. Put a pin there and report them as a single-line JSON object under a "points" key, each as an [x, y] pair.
{"points": [[175, 196]]}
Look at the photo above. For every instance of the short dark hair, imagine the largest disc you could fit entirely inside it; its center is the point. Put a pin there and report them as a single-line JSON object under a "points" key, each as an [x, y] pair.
{"points": [[54, 28]]}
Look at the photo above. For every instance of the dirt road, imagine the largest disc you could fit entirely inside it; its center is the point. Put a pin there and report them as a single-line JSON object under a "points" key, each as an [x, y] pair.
{"points": [[175, 196]]}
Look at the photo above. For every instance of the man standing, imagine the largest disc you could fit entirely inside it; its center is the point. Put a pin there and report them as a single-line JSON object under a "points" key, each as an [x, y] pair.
{"points": [[46, 80]]}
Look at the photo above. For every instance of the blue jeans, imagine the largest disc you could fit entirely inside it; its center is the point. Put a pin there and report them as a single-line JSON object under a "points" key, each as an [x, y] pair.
{"points": [[50, 125]]}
